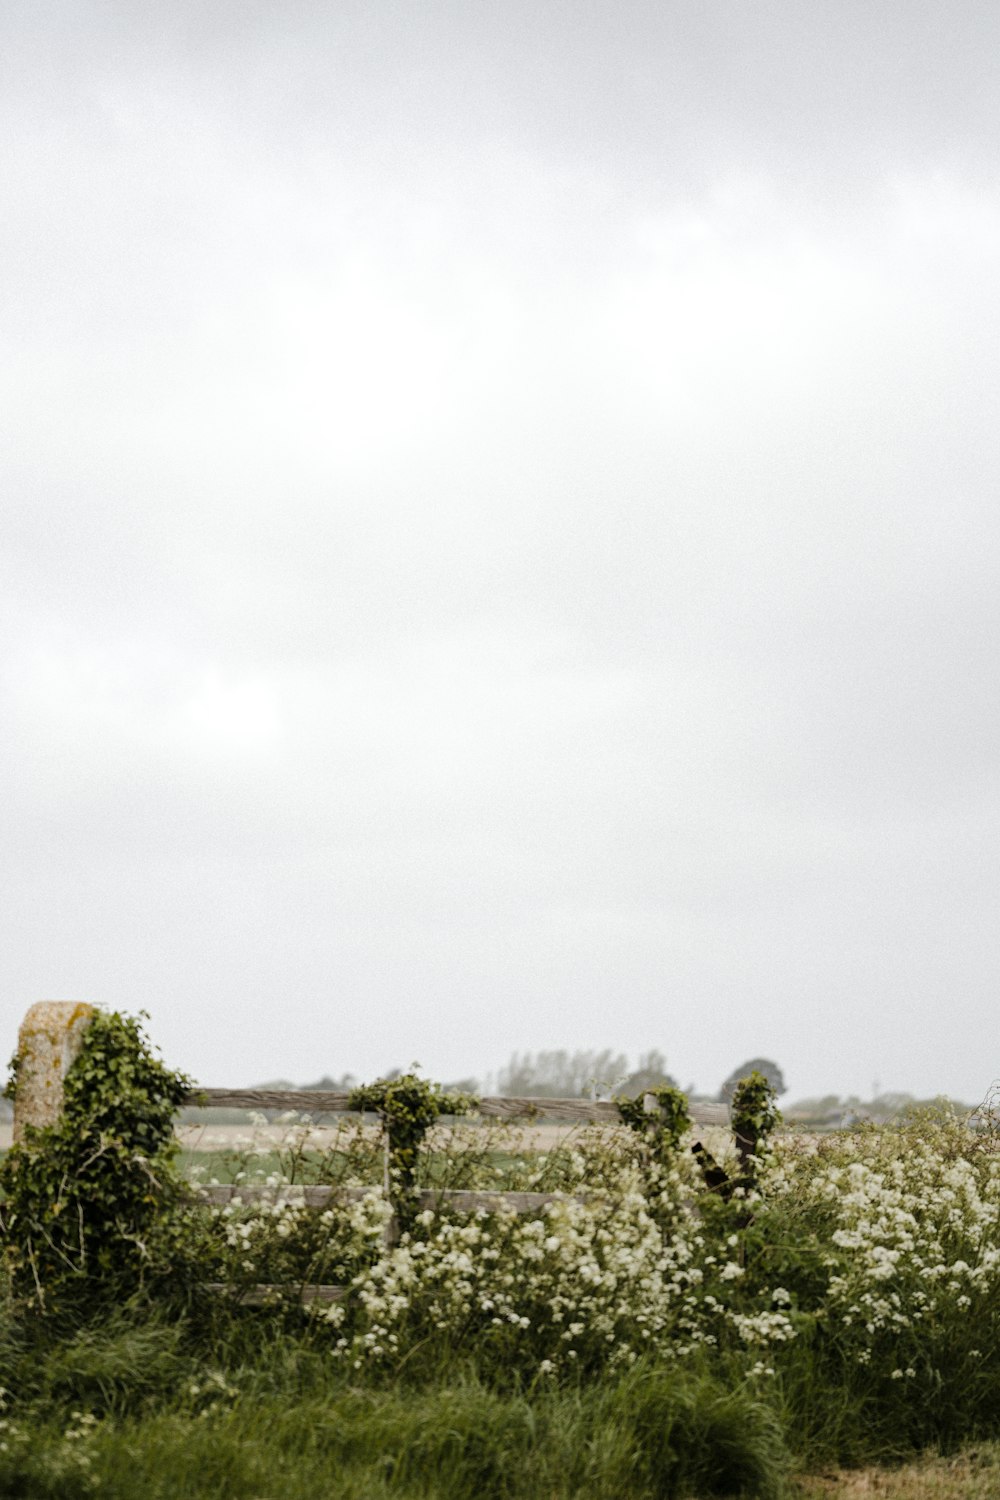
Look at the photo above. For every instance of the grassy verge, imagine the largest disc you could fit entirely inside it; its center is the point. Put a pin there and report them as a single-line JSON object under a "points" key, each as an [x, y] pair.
{"points": [[235, 1404], [972, 1475], [136, 1402], [450, 1443], [126, 1407]]}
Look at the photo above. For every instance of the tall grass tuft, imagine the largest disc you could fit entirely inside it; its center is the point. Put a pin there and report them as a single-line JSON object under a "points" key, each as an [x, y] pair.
{"points": [[690, 1435]]}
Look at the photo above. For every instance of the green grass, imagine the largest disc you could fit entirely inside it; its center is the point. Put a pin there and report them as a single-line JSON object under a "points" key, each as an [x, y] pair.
{"points": [[137, 1401], [164, 1416]]}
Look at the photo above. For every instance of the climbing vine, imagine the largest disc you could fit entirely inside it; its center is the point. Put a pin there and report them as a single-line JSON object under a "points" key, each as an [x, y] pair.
{"points": [[10, 1087], [408, 1106], [87, 1202], [666, 1125], [754, 1114]]}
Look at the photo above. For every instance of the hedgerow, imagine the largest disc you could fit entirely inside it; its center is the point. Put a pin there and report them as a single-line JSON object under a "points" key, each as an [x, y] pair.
{"points": [[874, 1255], [847, 1285]]}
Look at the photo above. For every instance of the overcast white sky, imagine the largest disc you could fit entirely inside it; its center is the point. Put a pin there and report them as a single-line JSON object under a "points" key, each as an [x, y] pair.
{"points": [[499, 532]]}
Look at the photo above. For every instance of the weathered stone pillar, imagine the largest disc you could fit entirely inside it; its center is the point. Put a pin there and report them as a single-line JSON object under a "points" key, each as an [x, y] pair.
{"points": [[50, 1037]]}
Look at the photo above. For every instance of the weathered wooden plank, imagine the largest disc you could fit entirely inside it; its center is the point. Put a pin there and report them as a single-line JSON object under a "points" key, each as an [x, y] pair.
{"points": [[708, 1113], [582, 1111], [569, 1111], [493, 1107], [307, 1101], [270, 1291]]}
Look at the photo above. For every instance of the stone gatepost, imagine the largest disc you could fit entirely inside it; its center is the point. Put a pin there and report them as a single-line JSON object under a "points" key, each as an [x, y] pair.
{"points": [[50, 1037]]}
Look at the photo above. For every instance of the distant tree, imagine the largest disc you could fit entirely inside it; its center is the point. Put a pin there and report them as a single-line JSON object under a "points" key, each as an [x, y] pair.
{"points": [[562, 1075], [763, 1065], [463, 1086], [328, 1085], [651, 1073]]}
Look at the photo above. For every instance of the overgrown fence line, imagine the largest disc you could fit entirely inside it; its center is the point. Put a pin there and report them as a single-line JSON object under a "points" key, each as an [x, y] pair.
{"points": [[124, 1100], [313, 1102]]}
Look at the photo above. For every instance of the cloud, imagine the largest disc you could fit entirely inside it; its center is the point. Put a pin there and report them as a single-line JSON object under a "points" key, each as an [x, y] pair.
{"points": [[499, 525]]}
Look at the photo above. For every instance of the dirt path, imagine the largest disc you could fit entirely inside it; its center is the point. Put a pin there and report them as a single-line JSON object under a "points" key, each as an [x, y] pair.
{"points": [[973, 1475]]}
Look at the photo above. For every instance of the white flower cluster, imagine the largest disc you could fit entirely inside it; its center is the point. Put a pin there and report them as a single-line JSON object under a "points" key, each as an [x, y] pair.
{"points": [[887, 1243], [906, 1229], [287, 1240], [580, 1282]]}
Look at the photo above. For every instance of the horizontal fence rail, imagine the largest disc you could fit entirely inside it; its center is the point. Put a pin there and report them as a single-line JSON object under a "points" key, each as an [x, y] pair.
{"points": [[310, 1195], [493, 1107]]}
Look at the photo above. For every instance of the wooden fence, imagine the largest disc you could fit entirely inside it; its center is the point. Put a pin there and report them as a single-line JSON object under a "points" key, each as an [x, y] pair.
{"points": [[51, 1035], [312, 1102], [492, 1107]]}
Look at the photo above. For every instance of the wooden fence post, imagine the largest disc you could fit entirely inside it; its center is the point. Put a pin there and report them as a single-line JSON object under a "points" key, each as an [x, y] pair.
{"points": [[50, 1037]]}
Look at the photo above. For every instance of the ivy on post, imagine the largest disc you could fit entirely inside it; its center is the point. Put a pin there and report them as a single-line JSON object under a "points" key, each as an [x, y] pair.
{"points": [[407, 1107], [662, 1118], [88, 1188], [661, 1115], [754, 1115]]}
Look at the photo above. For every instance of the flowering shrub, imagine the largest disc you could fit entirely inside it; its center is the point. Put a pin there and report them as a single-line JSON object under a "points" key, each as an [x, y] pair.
{"points": [[282, 1240], [287, 1242], [886, 1247], [584, 1284], [874, 1257]]}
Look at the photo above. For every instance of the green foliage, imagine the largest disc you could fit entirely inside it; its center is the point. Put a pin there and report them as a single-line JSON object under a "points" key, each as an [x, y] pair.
{"points": [[753, 1114], [86, 1202], [763, 1065], [666, 1127], [9, 1090], [408, 1106]]}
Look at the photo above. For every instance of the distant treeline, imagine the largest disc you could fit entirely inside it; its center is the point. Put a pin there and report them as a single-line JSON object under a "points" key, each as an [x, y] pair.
{"points": [[537, 1075], [835, 1112], [561, 1074], [583, 1074]]}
